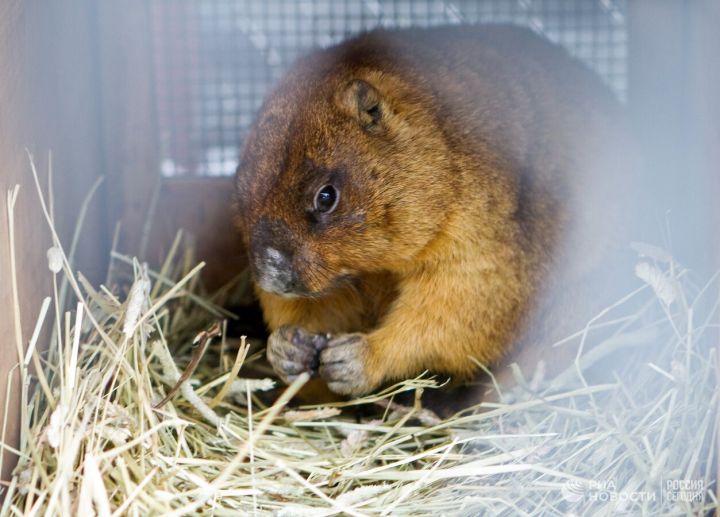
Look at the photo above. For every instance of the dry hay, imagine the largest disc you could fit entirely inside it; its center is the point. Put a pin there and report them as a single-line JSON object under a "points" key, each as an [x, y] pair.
{"points": [[92, 441]]}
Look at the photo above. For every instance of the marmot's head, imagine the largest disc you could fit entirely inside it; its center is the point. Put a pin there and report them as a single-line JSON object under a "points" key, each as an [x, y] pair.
{"points": [[344, 172]]}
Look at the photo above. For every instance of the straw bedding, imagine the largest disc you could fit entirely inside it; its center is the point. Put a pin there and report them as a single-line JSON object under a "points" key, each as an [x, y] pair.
{"points": [[96, 438]]}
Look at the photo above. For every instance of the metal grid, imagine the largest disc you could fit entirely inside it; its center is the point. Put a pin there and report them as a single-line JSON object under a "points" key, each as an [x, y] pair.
{"points": [[214, 61]]}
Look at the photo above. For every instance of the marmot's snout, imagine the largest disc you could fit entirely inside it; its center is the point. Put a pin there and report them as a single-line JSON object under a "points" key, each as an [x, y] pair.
{"points": [[274, 273], [272, 259]]}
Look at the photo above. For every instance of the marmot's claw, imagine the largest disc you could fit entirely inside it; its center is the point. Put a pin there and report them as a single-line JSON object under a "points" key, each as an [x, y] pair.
{"points": [[342, 364], [291, 350]]}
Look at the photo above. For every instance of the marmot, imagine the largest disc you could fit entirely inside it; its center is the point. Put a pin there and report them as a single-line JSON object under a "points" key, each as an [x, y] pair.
{"points": [[405, 195]]}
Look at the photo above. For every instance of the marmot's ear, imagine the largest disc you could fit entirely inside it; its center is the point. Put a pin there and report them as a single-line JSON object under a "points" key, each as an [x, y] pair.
{"points": [[361, 100]]}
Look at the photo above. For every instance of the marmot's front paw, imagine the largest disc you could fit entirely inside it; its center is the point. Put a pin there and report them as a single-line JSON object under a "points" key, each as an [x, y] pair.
{"points": [[343, 365], [292, 350]]}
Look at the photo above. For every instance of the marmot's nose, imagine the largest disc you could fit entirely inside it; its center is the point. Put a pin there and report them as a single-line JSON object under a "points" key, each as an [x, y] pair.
{"points": [[272, 257], [274, 272]]}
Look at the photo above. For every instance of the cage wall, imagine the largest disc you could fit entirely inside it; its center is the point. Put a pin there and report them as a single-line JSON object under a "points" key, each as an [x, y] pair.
{"points": [[214, 62]]}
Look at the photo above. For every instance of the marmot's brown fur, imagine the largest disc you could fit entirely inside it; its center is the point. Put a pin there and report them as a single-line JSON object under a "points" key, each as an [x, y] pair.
{"points": [[405, 195]]}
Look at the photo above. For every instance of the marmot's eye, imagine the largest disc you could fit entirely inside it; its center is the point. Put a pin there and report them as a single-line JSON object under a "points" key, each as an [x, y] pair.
{"points": [[326, 199]]}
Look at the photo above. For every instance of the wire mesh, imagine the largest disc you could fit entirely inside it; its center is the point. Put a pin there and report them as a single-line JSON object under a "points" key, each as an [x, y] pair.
{"points": [[215, 61]]}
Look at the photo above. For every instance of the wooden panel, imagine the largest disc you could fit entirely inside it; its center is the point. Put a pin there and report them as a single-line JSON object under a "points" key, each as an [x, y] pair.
{"points": [[12, 171], [672, 77], [64, 109], [704, 46], [48, 101], [129, 137]]}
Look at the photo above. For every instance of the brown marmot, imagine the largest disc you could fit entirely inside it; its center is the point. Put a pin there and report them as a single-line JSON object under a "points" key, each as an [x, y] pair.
{"points": [[404, 197]]}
